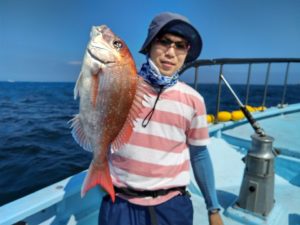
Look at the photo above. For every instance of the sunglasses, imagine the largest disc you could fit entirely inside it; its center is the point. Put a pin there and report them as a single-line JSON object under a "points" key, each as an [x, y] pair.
{"points": [[179, 46]]}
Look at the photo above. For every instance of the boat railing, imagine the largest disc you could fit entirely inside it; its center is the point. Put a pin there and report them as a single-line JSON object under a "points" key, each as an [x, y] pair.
{"points": [[246, 61]]}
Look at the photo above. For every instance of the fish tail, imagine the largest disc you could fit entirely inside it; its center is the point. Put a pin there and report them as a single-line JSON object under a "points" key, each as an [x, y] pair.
{"points": [[98, 176]]}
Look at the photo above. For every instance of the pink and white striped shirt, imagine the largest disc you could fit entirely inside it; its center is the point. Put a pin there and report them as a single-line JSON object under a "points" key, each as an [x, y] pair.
{"points": [[157, 156]]}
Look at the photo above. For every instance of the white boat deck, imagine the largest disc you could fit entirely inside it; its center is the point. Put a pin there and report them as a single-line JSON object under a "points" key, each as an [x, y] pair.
{"points": [[282, 127], [229, 168], [229, 147]]}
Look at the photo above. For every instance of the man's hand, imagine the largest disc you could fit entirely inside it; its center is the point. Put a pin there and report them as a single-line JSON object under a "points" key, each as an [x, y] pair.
{"points": [[215, 219]]}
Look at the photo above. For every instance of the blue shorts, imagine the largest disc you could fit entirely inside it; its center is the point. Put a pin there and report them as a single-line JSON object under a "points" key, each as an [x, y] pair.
{"points": [[176, 211]]}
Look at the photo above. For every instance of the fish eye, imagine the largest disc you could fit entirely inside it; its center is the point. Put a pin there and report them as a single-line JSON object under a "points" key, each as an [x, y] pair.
{"points": [[117, 44]]}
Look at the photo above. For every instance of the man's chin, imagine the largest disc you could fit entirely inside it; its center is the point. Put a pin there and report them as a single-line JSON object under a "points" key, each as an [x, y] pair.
{"points": [[167, 74]]}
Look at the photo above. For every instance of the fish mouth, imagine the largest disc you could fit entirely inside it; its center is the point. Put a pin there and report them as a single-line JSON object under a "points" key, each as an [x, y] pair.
{"points": [[98, 59]]}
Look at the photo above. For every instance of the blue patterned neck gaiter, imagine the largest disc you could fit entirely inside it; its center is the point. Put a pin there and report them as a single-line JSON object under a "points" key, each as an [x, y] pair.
{"points": [[152, 75]]}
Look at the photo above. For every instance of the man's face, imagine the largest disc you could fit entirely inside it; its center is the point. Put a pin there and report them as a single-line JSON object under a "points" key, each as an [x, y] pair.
{"points": [[168, 53]]}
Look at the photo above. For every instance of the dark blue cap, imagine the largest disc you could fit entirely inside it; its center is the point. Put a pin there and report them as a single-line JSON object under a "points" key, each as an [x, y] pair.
{"points": [[175, 24]]}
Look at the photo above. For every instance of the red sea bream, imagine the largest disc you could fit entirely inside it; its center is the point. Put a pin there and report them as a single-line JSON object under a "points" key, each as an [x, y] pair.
{"points": [[109, 88]]}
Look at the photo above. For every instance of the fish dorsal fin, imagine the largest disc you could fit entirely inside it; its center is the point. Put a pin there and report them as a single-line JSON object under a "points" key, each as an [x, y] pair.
{"points": [[79, 135], [136, 108]]}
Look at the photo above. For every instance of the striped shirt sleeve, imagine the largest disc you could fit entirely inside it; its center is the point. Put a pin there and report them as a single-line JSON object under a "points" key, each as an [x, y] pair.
{"points": [[198, 134]]}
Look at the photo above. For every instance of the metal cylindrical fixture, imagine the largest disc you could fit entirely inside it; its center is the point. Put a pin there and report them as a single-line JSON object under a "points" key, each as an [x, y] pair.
{"points": [[257, 190], [219, 94]]}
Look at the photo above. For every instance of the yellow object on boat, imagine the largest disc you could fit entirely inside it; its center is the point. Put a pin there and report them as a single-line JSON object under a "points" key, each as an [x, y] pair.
{"points": [[237, 115], [250, 108], [260, 108], [224, 116], [210, 118]]}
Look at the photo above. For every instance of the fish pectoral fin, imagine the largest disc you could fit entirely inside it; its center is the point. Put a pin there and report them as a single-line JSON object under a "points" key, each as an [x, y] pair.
{"points": [[76, 89], [136, 108], [79, 135], [98, 176]]}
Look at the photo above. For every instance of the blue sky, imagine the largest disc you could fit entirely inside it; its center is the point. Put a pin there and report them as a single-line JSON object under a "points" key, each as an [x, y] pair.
{"points": [[45, 40]]}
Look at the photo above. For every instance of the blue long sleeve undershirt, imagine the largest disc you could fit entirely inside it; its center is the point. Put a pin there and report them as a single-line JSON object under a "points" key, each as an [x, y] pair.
{"points": [[204, 175]]}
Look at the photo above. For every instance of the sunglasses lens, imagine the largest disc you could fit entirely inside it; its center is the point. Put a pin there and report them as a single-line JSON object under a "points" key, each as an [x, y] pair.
{"points": [[179, 46], [165, 42]]}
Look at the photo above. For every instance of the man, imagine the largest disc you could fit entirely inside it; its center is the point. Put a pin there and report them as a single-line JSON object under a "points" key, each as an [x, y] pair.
{"points": [[150, 173]]}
